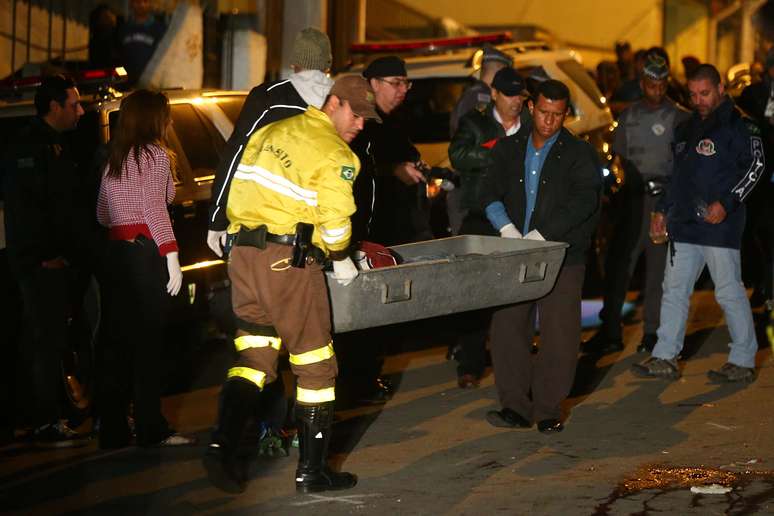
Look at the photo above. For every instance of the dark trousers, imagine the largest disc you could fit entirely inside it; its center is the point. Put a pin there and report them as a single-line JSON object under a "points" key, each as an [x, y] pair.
{"points": [[135, 304], [46, 306], [630, 239], [10, 330], [535, 385], [473, 328]]}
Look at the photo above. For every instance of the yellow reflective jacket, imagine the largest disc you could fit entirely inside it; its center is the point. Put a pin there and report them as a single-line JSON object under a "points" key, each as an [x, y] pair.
{"points": [[296, 170]]}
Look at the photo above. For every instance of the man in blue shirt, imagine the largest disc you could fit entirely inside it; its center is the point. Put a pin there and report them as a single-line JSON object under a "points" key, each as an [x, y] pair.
{"points": [[544, 184]]}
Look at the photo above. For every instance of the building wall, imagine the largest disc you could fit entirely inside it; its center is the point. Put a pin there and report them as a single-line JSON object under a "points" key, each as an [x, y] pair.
{"points": [[77, 36], [593, 26]]}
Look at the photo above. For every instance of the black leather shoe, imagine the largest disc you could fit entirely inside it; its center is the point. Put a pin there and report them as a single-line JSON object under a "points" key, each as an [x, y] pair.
{"points": [[507, 418], [550, 426], [603, 344]]}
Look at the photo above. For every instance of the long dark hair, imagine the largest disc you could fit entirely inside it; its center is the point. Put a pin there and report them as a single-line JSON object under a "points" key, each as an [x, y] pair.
{"points": [[142, 121]]}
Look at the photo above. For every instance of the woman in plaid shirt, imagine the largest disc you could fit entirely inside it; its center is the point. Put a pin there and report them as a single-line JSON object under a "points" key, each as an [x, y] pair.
{"points": [[142, 258]]}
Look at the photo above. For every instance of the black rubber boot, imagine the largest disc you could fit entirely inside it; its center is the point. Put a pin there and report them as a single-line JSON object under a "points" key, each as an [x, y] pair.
{"points": [[314, 435], [237, 405]]}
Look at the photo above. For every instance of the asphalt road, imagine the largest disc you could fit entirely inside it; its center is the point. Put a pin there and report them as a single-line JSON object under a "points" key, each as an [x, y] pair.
{"points": [[631, 446]]}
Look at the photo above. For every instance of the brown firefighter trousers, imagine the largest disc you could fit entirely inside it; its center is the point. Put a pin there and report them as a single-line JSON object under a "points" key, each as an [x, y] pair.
{"points": [[288, 306]]}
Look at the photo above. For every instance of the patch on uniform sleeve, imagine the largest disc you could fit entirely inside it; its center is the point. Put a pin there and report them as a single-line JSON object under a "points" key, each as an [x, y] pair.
{"points": [[25, 163], [347, 173], [706, 147]]}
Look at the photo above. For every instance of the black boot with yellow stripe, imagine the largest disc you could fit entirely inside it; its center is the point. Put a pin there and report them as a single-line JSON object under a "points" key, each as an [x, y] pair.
{"points": [[237, 405], [314, 436]]}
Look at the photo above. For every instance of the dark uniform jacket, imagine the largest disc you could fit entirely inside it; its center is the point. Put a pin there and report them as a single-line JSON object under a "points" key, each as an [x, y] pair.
{"points": [[567, 205], [388, 211], [470, 152], [44, 195], [479, 94], [266, 103], [720, 159]]}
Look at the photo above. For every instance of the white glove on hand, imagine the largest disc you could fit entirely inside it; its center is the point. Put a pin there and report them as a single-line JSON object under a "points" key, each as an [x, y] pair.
{"points": [[344, 271], [534, 235], [509, 231], [175, 274], [216, 240]]}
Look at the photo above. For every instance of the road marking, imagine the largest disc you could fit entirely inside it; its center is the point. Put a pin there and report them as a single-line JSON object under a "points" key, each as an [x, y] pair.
{"points": [[722, 427], [349, 499]]}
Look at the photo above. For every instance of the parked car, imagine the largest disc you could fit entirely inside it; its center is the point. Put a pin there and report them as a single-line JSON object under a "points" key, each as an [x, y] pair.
{"points": [[202, 122]]}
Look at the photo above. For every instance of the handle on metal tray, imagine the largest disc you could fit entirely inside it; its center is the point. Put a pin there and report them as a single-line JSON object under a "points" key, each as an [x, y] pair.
{"points": [[529, 273], [394, 294]]}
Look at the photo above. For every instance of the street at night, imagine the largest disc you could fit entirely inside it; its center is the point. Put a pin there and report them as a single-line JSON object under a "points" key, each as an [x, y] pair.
{"points": [[630, 446]]}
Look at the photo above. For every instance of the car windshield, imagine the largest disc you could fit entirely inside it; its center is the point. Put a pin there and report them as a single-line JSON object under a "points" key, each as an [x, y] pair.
{"points": [[581, 77], [429, 104], [232, 106]]}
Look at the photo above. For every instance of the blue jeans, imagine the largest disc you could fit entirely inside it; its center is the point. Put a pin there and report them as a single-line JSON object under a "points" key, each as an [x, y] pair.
{"points": [[680, 275]]}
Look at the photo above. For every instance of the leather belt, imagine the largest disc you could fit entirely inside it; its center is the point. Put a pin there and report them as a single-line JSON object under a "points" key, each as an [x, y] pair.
{"points": [[280, 239]]}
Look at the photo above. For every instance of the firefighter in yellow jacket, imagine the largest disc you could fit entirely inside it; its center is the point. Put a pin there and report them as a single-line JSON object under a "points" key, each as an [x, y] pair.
{"points": [[289, 209]]}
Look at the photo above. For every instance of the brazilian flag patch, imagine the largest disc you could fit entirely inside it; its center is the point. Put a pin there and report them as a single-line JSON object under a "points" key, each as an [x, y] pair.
{"points": [[347, 173]]}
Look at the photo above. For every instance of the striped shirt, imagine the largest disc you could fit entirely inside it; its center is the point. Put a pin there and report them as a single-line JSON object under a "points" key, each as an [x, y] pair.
{"points": [[136, 203]]}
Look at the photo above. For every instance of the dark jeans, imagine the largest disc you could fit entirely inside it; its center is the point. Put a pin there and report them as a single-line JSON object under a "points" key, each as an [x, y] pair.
{"points": [[134, 309], [46, 306], [535, 386], [473, 327], [630, 239]]}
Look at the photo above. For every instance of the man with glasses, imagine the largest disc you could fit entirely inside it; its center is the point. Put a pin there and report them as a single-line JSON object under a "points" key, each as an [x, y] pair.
{"points": [[391, 209]]}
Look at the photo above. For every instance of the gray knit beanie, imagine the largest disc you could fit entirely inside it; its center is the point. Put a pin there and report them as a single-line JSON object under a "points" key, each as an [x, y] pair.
{"points": [[312, 50]]}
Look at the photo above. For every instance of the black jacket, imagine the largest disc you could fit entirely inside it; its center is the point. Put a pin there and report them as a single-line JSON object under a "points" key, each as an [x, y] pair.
{"points": [[469, 157], [567, 205], [267, 103], [388, 211], [46, 215], [720, 159]]}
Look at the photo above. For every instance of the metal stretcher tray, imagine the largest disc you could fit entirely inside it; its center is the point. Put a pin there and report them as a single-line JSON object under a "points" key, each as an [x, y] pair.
{"points": [[445, 276]]}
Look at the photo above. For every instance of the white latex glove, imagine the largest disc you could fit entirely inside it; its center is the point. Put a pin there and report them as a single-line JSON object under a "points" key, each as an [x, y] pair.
{"points": [[344, 271], [175, 274], [510, 231], [534, 235], [216, 240]]}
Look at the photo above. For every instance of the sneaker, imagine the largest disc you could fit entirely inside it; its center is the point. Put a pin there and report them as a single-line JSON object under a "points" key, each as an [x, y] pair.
{"points": [[648, 343], [732, 373], [58, 435], [178, 440], [657, 368]]}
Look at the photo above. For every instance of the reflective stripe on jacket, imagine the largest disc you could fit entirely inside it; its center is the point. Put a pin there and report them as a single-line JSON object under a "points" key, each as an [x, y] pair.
{"points": [[296, 170]]}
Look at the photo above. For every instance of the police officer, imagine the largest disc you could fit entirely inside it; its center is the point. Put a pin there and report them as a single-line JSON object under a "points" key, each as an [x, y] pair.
{"points": [[480, 93], [289, 208], [718, 161], [47, 236], [643, 143]]}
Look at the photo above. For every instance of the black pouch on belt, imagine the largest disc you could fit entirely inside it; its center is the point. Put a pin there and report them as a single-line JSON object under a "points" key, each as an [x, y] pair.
{"points": [[302, 244], [252, 237]]}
